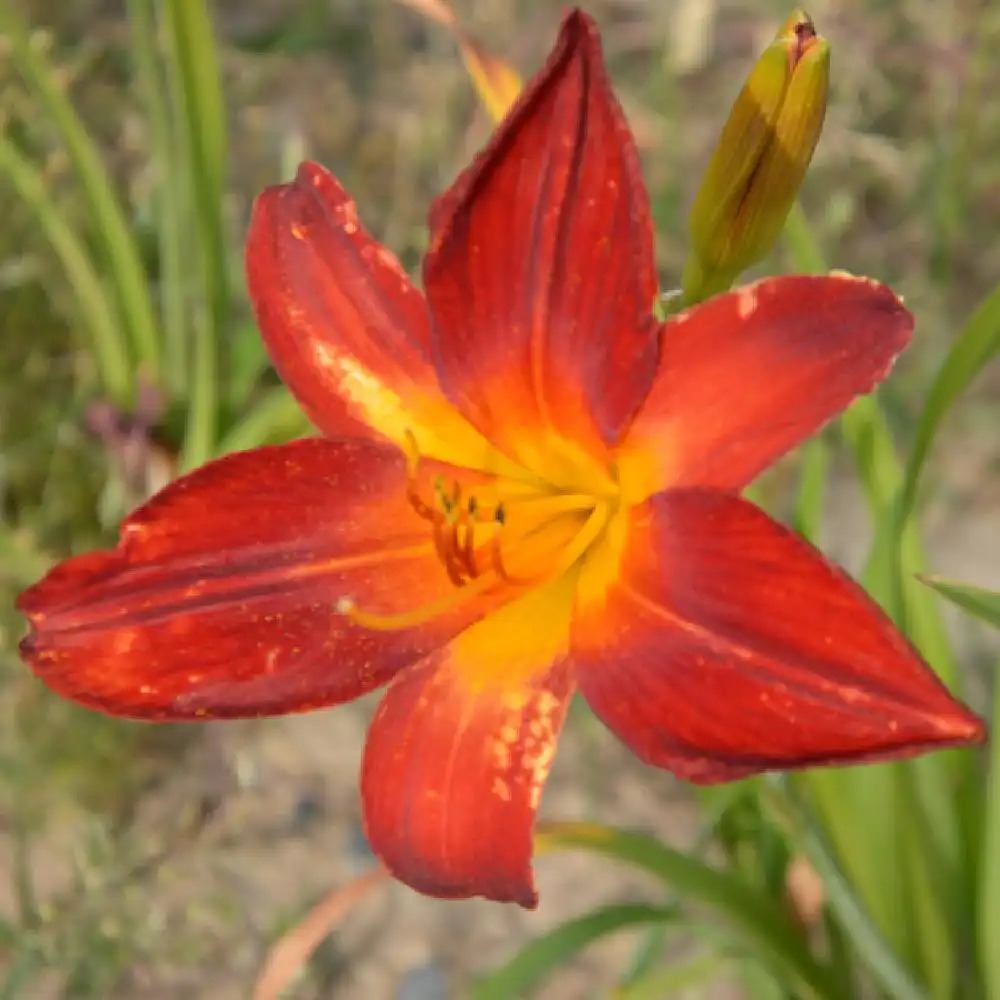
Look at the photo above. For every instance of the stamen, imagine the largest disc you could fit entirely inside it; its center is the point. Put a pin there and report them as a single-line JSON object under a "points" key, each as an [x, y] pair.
{"points": [[454, 519], [408, 619], [444, 546], [453, 524], [417, 502], [496, 555], [468, 548]]}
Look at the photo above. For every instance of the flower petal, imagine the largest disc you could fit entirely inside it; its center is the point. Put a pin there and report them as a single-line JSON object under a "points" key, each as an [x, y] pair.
{"points": [[460, 748], [347, 330], [746, 376], [729, 646], [541, 277], [220, 600]]}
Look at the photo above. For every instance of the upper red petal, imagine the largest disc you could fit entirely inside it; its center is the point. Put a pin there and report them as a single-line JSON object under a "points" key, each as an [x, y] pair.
{"points": [[746, 376], [347, 330], [325, 291], [220, 599], [541, 276], [459, 751], [730, 646]]}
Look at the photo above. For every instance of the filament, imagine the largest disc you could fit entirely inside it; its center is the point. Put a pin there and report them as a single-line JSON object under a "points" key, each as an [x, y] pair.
{"points": [[418, 616]]}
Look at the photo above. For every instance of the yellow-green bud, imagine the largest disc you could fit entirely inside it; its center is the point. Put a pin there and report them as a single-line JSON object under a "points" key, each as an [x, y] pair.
{"points": [[760, 160]]}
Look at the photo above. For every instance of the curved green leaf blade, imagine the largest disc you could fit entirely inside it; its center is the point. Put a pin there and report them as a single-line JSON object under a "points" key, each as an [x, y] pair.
{"points": [[547, 953], [988, 889], [758, 922], [978, 601], [193, 69], [111, 227], [668, 982], [977, 344], [97, 312]]}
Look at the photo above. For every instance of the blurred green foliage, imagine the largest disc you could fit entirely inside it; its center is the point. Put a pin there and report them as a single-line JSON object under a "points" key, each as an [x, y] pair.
{"points": [[131, 144]]}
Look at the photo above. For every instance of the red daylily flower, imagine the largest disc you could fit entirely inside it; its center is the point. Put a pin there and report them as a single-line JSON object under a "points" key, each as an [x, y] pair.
{"points": [[527, 487]]}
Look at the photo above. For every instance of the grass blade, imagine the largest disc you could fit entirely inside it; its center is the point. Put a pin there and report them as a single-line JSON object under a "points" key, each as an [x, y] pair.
{"points": [[195, 80], [814, 454], [669, 982], [976, 345], [988, 901], [547, 953], [757, 921], [170, 209], [978, 601], [814, 471], [110, 226], [868, 812], [841, 898], [805, 251], [97, 312], [275, 418]]}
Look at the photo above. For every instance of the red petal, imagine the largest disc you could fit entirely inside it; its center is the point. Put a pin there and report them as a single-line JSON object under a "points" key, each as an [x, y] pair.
{"points": [[746, 376], [541, 277], [344, 325], [220, 598], [730, 646], [460, 749]]}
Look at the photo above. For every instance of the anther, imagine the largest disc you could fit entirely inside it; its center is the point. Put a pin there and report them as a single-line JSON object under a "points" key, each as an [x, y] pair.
{"points": [[454, 519]]}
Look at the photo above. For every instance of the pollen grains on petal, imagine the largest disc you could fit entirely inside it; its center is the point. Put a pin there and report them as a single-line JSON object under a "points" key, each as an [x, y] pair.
{"points": [[459, 752]]}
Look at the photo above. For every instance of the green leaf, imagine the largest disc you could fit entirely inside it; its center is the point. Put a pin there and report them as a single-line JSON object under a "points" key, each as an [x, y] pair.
{"points": [[842, 898], [805, 251], [758, 923], [23, 969], [978, 601], [111, 229], [647, 956], [97, 313], [976, 345], [273, 419], [193, 70], [171, 210], [545, 954], [814, 468], [669, 982], [988, 908], [864, 813]]}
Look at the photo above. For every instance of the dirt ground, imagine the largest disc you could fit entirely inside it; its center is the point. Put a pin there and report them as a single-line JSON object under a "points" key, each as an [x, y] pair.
{"points": [[253, 822]]}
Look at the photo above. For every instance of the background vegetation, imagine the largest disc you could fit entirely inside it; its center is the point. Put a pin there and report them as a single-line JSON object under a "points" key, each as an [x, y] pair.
{"points": [[142, 862]]}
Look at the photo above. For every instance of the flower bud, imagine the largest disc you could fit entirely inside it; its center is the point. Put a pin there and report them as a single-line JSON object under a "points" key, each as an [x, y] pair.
{"points": [[760, 160], [496, 83]]}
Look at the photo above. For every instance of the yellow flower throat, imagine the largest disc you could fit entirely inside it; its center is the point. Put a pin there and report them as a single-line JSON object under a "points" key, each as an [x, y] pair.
{"points": [[535, 534]]}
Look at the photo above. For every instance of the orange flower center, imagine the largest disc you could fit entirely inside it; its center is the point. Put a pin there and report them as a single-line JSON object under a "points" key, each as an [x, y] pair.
{"points": [[524, 536]]}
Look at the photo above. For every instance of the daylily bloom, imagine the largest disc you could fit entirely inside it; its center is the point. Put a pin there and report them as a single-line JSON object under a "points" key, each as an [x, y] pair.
{"points": [[527, 487]]}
